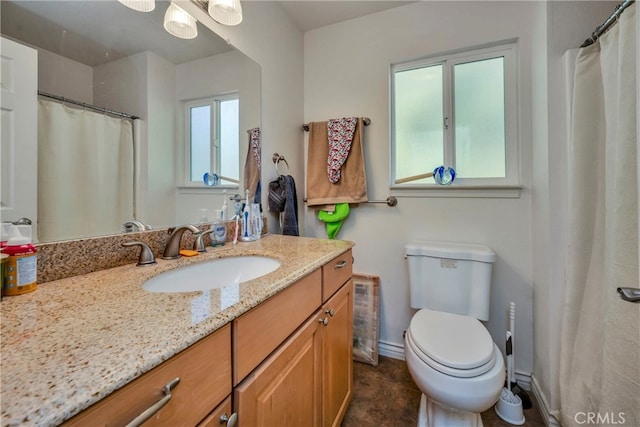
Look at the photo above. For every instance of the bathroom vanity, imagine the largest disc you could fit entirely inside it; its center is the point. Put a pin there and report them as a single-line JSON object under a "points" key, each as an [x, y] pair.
{"points": [[96, 349]]}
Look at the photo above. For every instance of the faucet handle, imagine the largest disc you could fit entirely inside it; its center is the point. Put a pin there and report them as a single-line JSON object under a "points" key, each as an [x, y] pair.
{"points": [[146, 255], [198, 244]]}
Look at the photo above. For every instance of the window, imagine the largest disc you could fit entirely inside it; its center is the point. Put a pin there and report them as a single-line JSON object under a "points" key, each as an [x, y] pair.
{"points": [[456, 110], [212, 135]]}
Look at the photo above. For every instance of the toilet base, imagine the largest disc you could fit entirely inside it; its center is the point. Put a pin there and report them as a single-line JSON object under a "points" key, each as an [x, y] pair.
{"points": [[432, 414]]}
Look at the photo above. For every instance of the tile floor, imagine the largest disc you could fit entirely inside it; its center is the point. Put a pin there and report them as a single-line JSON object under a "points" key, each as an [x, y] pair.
{"points": [[385, 395]]}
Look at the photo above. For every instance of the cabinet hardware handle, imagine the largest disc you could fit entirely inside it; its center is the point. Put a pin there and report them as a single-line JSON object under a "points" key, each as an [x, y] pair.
{"points": [[149, 412], [324, 321], [330, 312], [339, 265], [230, 421]]}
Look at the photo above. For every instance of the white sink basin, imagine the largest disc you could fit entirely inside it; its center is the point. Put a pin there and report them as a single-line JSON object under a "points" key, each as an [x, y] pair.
{"points": [[212, 274]]}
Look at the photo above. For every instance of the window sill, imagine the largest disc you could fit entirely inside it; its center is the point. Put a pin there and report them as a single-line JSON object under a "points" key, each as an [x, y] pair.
{"points": [[462, 191], [218, 189]]}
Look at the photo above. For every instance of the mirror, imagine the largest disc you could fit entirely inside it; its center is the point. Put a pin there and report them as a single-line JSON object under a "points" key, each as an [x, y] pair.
{"points": [[84, 49]]}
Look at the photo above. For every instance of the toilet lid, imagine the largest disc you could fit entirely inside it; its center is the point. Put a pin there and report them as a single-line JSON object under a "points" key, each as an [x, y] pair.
{"points": [[452, 340]]}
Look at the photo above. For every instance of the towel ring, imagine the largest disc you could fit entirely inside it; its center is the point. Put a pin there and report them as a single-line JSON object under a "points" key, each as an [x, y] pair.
{"points": [[277, 158]]}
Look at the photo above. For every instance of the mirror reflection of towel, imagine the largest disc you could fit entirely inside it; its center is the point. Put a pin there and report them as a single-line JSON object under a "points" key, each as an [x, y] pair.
{"points": [[283, 198], [352, 186], [252, 165]]}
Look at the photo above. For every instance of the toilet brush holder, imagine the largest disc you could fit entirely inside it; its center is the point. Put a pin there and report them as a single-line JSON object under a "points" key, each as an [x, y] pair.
{"points": [[509, 408]]}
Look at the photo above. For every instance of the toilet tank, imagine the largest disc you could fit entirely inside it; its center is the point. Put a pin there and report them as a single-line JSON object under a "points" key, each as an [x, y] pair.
{"points": [[450, 277]]}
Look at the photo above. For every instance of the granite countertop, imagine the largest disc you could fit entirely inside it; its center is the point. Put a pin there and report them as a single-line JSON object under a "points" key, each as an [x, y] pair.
{"points": [[74, 341]]}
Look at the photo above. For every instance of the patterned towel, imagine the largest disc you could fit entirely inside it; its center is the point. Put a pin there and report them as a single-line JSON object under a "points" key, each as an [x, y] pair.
{"points": [[340, 135]]}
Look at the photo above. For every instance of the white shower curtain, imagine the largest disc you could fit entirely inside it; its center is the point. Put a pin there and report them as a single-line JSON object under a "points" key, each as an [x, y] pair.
{"points": [[85, 172], [600, 349]]}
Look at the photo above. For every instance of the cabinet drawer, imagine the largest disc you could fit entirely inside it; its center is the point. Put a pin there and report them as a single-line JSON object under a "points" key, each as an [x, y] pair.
{"points": [[215, 418], [261, 330], [204, 370], [335, 273]]}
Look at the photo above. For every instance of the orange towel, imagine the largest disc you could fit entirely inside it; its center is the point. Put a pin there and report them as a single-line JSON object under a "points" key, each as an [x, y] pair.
{"points": [[352, 187]]}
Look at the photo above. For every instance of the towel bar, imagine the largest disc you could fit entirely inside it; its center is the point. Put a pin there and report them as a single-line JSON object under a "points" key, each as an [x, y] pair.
{"points": [[365, 120], [390, 201]]}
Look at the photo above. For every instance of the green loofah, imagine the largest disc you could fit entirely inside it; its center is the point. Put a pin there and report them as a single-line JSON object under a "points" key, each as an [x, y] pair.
{"points": [[334, 219]]}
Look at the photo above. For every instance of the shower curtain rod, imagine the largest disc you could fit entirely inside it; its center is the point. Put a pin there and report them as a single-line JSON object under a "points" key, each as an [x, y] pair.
{"points": [[611, 20], [89, 106]]}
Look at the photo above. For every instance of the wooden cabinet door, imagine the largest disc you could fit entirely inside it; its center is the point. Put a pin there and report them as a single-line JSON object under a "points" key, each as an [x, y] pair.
{"points": [[338, 355], [285, 390]]}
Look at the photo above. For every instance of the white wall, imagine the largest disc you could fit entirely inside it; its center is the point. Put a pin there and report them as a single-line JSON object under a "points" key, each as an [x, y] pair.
{"points": [[207, 77], [62, 76], [120, 85], [159, 198], [346, 74]]}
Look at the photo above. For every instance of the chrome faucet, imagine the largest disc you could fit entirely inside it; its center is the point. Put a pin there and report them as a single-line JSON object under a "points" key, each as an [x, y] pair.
{"points": [[134, 225], [172, 249]]}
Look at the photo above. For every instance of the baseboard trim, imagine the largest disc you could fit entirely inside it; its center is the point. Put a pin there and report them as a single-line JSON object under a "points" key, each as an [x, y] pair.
{"points": [[543, 405], [390, 349]]}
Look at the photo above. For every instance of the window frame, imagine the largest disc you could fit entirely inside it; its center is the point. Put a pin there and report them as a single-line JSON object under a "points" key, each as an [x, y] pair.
{"points": [[214, 144], [508, 50]]}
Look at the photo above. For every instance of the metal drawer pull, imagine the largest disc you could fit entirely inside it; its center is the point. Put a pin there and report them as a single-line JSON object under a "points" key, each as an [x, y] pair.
{"points": [[341, 264], [150, 412], [629, 294], [324, 321], [230, 421], [330, 312]]}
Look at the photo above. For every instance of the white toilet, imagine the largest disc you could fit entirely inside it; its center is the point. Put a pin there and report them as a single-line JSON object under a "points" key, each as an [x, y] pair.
{"points": [[449, 353]]}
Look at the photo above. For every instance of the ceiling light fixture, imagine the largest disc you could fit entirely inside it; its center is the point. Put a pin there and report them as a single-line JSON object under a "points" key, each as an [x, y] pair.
{"points": [[227, 12], [140, 5], [179, 23]]}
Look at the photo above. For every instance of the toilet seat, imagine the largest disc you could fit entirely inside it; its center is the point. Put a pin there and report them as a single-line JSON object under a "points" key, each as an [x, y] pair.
{"points": [[459, 346]]}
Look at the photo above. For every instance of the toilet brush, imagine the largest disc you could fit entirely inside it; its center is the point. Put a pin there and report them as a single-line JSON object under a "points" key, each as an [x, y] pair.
{"points": [[509, 405], [509, 396], [511, 378]]}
